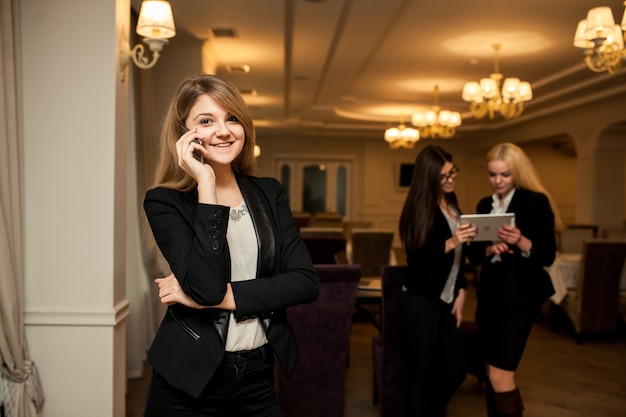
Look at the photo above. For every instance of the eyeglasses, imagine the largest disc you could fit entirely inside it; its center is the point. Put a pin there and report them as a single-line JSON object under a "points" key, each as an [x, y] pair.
{"points": [[450, 175]]}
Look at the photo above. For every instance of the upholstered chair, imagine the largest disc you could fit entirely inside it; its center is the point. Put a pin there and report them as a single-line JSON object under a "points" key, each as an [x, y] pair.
{"points": [[316, 388], [592, 306]]}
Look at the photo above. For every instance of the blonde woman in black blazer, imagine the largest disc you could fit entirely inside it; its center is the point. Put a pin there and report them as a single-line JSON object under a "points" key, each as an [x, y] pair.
{"points": [[513, 282], [435, 288], [237, 260]]}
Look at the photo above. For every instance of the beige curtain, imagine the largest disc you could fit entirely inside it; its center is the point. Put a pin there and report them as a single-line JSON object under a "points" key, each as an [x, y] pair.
{"points": [[20, 387]]}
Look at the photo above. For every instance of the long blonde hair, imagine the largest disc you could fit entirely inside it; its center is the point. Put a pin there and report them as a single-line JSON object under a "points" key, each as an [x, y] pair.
{"points": [[523, 172], [168, 173]]}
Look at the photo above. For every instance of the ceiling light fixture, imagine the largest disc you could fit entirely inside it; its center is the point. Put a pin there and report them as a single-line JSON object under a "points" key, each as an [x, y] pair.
{"points": [[402, 136], [487, 99], [601, 40], [156, 25], [436, 122]]}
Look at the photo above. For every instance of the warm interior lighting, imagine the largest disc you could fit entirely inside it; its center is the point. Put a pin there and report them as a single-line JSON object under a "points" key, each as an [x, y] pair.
{"points": [[257, 151], [156, 25], [401, 137], [436, 122], [601, 40], [486, 98]]}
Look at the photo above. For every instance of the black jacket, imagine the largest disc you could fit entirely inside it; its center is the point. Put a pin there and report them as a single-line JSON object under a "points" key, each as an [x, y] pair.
{"points": [[430, 266], [189, 344], [518, 280]]}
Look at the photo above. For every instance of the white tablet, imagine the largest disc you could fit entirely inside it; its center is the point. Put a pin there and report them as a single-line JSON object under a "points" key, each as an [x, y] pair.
{"points": [[488, 224]]}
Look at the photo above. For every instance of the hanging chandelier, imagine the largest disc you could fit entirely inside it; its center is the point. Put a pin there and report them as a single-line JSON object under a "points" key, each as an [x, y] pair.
{"points": [[401, 136], [601, 40], [485, 98], [436, 122]]}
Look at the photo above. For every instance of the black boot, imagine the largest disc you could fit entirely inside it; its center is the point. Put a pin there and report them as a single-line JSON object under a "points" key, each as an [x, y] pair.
{"points": [[509, 404]]}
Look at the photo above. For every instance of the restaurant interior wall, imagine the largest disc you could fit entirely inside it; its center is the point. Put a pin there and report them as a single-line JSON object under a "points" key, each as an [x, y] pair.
{"points": [[376, 196]]}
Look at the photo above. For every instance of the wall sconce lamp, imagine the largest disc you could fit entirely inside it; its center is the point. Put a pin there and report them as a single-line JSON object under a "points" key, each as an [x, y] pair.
{"points": [[156, 25]]}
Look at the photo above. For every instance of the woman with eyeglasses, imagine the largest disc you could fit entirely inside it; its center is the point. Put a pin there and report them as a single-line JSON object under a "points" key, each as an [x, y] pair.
{"points": [[513, 282], [435, 290]]}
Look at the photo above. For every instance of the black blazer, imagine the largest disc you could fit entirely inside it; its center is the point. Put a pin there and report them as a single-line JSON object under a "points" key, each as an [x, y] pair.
{"points": [[189, 344], [430, 266], [517, 280]]}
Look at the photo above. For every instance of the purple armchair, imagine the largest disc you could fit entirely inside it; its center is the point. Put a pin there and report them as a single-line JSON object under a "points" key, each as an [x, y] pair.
{"points": [[388, 346], [317, 386]]}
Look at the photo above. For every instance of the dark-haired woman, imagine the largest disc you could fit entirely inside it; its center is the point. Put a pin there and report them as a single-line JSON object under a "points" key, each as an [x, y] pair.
{"points": [[435, 290]]}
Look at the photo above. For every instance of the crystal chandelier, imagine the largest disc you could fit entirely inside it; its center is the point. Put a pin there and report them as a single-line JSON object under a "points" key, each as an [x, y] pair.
{"points": [[487, 99], [601, 40], [436, 122], [401, 136]]}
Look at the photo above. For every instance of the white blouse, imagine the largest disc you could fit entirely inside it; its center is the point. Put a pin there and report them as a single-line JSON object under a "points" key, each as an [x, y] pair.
{"points": [[242, 243]]}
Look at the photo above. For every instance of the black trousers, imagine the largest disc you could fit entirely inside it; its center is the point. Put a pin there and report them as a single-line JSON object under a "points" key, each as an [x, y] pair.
{"points": [[435, 366], [243, 386]]}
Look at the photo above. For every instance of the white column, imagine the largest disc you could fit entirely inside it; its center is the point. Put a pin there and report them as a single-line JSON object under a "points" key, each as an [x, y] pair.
{"points": [[600, 177], [75, 129], [586, 176]]}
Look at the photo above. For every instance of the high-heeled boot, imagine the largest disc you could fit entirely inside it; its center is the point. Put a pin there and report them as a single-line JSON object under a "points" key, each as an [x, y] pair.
{"points": [[509, 404]]}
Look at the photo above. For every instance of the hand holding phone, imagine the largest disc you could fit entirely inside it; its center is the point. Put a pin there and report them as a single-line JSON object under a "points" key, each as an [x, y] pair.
{"points": [[196, 154]]}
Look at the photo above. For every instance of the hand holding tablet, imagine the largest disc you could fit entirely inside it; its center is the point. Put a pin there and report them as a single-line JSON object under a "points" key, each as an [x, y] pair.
{"points": [[487, 225]]}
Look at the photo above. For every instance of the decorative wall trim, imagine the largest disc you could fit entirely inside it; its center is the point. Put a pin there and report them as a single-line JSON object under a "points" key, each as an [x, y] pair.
{"points": [[78, 317]]}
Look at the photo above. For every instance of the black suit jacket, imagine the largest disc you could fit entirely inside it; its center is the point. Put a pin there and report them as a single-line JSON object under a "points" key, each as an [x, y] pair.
{"points": [[517, 280], [430, 266], [189, 344]]}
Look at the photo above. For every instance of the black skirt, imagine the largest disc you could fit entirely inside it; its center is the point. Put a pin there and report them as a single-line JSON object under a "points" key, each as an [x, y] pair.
{"points": [[504, 330]]}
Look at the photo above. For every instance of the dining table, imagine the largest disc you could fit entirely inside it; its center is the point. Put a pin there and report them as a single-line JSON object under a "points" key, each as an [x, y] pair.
{"points": [[564, 275], [369, 293]]}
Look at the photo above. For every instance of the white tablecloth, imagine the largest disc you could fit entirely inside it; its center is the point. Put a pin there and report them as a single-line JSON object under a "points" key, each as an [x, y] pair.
{"points": [[564, 275]]}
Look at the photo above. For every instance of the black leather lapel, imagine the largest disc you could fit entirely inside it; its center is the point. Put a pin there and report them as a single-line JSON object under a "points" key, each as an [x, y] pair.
{"points": [[258, 206]]}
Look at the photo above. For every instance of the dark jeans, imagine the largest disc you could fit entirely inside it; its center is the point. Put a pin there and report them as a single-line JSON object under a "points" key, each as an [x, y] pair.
{"points": [[243, 386], [434, 360]]}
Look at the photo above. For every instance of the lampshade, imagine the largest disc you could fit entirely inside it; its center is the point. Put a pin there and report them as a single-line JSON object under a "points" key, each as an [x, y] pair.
{"points": [[525, 91], [470, 91], [509, 87], [580, 38], [599, 22], [614, 37], [488, 88], [156, 20]]}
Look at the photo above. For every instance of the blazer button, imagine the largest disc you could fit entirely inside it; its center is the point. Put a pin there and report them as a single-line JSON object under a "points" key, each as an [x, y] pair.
{"points": [[217, 214], [215, 246], [215, 235]]}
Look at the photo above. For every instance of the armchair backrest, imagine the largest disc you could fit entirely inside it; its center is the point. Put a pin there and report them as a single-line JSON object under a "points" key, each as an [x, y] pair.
{"points": [[371, 248], [323, 248], [322, 329], [389, 346], [598, 285], [571, 240]]}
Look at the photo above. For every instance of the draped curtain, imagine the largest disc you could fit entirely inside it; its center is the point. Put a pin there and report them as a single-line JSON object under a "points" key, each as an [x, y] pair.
{"points": [[20, 388]]}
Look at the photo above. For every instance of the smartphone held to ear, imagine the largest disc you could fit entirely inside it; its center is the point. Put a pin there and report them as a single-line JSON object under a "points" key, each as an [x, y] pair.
{"points": [[197, 154]]}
